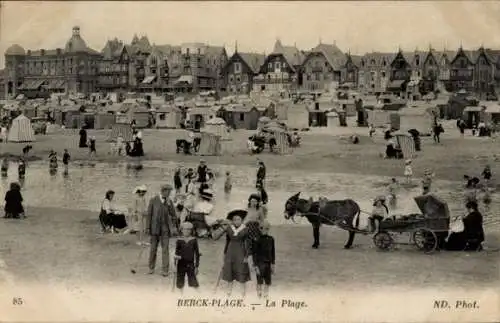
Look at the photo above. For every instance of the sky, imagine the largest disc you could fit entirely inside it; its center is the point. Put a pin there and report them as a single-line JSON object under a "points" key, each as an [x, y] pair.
{"points": [[356, 26]]}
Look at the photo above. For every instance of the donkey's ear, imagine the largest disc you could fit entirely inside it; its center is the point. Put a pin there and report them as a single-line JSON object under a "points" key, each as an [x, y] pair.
{"points": [[297, 195]]}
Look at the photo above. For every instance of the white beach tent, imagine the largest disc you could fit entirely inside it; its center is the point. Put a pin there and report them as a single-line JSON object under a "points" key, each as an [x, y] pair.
{"points": [[21, 130], [217, 126]]}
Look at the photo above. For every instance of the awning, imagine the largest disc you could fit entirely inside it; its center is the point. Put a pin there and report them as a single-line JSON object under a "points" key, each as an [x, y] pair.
{"points": [[185, 79], [36, 84], [493, 109], [149, 79], [473, 109], [395, 84]]}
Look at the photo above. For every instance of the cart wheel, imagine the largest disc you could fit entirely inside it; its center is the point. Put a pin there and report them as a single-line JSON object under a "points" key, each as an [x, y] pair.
{"points": [[383, 240], [425, 240]]}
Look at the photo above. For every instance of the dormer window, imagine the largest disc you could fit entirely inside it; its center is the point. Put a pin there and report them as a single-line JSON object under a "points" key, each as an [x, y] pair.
{"points": [[372, 62], [362, 62], [384, 62], [417, 60]]}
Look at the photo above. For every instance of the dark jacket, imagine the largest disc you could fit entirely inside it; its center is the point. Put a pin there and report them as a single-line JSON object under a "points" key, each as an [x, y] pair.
{"points": [[160, 217], [473, 226]]}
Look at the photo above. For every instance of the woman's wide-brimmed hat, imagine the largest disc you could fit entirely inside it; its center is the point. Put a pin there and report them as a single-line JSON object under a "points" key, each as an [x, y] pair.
{"points": [[240, 212], [380, 198], [141, 188]]}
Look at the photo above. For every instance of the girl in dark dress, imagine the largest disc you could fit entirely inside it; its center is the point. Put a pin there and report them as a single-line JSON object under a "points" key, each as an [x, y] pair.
{"points": [[236, 252], [187, 256], [83, 138], [14, 202], [66, 158], [486, 173], [472, 237]]}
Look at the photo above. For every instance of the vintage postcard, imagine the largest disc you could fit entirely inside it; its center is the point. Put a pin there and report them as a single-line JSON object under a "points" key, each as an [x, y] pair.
{"points": [[249, 161]]}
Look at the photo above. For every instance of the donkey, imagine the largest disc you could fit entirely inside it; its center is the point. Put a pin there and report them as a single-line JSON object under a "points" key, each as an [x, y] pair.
{"points": [[340, 213]]}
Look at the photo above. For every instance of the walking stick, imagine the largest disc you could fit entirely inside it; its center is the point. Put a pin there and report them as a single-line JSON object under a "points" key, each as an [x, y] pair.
{"points": [[218, 280], [174, 276], [133, 270]]}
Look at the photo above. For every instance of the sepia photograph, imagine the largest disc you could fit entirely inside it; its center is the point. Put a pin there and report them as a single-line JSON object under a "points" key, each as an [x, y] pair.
{"points": [[289, 161]]}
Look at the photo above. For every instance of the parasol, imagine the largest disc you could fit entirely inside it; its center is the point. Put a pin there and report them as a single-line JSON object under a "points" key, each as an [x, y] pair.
{"points": [[432, 206]]}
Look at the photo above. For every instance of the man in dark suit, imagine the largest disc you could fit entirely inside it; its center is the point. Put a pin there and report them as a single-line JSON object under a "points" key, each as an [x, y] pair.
{"points": [[160, 221]]}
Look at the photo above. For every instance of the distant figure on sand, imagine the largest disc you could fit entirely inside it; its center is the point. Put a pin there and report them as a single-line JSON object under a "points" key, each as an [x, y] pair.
{"points": [[178, 181], [228, 184], [261, 174], [53, 161], [5, 167], [21, 169], [14, 202], [427, 181], [83, 138], [66, 159], [392, 193], [92, 147], [486, 173], [408, 171]]}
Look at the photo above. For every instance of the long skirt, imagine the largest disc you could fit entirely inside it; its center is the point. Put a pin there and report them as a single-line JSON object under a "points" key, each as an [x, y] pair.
{"points": [[116, 221]]}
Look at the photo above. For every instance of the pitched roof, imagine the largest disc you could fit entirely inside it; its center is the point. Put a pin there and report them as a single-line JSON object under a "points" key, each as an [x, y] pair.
{"points": [[410, 57], [112, 48], [335, 57], [292, 54], [253, 60], [379, 58]]}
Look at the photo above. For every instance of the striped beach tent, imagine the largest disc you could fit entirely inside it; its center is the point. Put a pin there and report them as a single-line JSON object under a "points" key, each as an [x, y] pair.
{"points": [[282, 143], [210, 144], [406, 143], [21, 130], [122, 130]]}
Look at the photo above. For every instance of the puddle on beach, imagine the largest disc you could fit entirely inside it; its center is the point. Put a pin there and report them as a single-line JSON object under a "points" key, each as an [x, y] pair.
{"points": [[85, 186]]}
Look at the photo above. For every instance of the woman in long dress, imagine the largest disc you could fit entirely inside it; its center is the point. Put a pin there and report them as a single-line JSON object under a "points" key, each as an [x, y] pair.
{"points": [[472, 236], [236, 253], [14, 202], [255, 216], [137, 218], [110, 217]]}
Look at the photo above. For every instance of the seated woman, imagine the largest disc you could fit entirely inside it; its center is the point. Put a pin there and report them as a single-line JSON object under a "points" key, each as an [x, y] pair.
{"points": [[472, 236], [380, 211], [14, 202], [110, 217]]}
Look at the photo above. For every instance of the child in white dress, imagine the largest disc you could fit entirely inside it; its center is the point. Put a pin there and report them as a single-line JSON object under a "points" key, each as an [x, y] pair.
{"points": [[408, 171]]}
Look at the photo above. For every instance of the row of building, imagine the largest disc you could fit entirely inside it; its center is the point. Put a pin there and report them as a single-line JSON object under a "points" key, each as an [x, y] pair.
{"points": [[192, 67]]}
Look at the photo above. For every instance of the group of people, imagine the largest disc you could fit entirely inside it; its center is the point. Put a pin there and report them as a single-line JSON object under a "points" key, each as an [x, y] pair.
{"points": [[466, 233], [248, 243]]}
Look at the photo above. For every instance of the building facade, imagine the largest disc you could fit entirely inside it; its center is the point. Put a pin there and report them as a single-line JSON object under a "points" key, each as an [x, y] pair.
{"points": [[374, 72], [281, 70], [322, 68], [350, 70], [114, 68], [239, 73], [34, 73]]}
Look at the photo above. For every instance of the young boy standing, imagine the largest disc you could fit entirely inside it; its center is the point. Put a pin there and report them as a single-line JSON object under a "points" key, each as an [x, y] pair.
{"points": [[228, 184], [187, 255], [263, 256]]}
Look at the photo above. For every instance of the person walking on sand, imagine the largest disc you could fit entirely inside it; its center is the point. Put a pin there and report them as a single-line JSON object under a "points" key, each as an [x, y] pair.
{"points": [[263, 256], [178, 181], [187, 256], [92, 147], [160, 219], [487, 174], [261, 174], [5, 167], [408, 173], [21, 168], [66, 159], [427, 181], [83, 138], [392, 193], [228, 184]]}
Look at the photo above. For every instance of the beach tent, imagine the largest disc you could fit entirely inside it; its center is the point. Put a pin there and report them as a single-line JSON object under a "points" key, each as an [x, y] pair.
{"points": [[122, 130], [217, 126], [417, 117], [210, 144], [406, 143], [21, 130], [332, 119], [282, 145]]}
